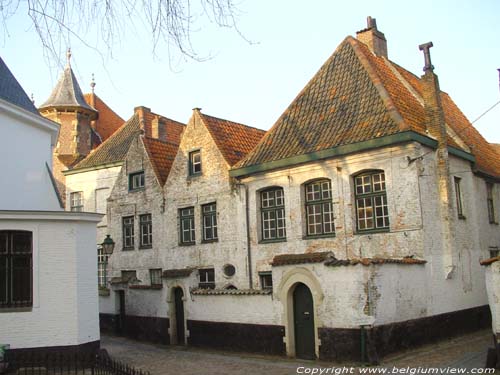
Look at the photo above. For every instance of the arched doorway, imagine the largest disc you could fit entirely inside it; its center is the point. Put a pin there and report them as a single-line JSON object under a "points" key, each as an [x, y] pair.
{"points": [[180, 338], [303, 316]]}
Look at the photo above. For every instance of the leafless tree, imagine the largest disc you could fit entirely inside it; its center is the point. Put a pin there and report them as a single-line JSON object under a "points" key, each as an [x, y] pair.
{"points": [[169, 22]]}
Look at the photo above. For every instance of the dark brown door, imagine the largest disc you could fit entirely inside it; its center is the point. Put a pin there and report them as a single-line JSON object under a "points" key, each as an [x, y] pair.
{"points": [[303, 313], [120, 324], [179, 315]]}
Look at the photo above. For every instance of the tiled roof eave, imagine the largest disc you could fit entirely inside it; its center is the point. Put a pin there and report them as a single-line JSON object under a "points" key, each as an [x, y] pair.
{"points": [[232, 292]]}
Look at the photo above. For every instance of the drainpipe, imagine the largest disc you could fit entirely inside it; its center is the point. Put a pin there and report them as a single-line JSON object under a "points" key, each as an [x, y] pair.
{"points": [[249, 252]]}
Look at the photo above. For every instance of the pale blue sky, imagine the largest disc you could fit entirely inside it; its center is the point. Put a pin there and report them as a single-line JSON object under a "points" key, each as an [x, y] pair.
{"points": [[254, 83]]}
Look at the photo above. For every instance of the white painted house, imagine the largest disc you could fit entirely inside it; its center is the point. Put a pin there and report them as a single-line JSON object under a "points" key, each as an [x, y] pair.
{"points": [[43, 249]]}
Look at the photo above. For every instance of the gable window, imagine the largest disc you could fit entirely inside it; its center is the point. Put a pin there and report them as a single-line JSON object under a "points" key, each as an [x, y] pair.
{"points": [[187, 225], [128, 232], [16, 269], [207, 278], [266, 280], [371, 201], [490, 202], [102, 265], [155, 277], [76, 201], [209, 212], [458, 197], [146, 231], [136, 181], [272, 203], [195, 163], [319, 208]]}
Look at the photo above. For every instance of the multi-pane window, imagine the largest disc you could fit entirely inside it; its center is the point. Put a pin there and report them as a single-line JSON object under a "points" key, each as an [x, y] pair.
{"points": [[207, 278], [129, 275], [128, 232], [146, 230], [76, 201], [16, 269], [371, 201], [266, 280], [195, 162], [209, 212], [458, 197], [155, 276], [187, 225], [490, 202], [102, 265], [319, 208], [136, 180], [272, 204]]}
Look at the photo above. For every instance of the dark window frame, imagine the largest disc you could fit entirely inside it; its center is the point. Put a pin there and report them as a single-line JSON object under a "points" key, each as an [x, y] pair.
{"points": [[128, 275], [272, 213], [490, 202], [195, 166], [145, 231], [187, 234], [73, 207], [136, 184], [264, 278], [206, 278], [457, 181], [155, 280], [209, 222], [370, 196], [321, 200], [16, 263], [128, 238]]}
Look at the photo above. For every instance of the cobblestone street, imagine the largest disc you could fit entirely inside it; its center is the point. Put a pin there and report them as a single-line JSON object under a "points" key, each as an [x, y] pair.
{"points": [[467, 351]]}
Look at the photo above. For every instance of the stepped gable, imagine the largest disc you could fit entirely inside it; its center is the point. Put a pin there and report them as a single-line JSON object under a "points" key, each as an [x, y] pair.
{"points": [[358, 96], [234, 140], [12, 92], [162, 155]]}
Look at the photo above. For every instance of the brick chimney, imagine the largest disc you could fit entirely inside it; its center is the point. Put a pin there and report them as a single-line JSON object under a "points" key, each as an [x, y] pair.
{"points": [[158, 129], [374, 39], [436, 128], [142, 111]]}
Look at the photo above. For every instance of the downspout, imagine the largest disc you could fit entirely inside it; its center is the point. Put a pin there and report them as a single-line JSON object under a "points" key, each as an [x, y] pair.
{"points": [[247, 225]]}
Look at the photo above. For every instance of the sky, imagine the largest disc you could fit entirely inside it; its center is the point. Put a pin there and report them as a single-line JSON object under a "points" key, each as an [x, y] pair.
{"points": [[252, 80]]}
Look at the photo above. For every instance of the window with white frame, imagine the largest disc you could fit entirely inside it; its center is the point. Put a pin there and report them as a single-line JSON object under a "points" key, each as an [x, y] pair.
{"points": [[136, 181], [319, 208], [102, 267], [266, 280], [209, 212], [187, 235], [273, 214], [207, 278], [76, 201], [371, 201], [146, 230], [155, 277], [195, 163], [458, 197], [128, 232]]}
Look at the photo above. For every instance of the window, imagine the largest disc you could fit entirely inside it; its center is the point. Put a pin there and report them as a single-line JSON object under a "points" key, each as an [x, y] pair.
{"points": [[195, 163], [146, 230], [76, 201], [273, 214], [266, 280], [128, 233], [16, 272], [494, 252], [129, 275], [229, 270], [458, 197], [371, 201], [155, 276], [136, 181], [489, 200], [209, 222], [102, 265], [207, 278], [187, 225], [319, 209]]}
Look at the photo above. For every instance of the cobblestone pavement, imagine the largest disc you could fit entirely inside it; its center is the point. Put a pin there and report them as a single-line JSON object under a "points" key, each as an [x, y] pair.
{"points": [[467, 351]]}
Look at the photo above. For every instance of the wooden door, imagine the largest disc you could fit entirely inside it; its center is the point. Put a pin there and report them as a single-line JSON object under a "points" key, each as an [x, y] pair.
{"points": [[179, 315], [303, 313]]}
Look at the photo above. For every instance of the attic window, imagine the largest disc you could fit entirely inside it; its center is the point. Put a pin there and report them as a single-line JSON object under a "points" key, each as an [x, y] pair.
{"points": [[136, 181], [195, 163]]}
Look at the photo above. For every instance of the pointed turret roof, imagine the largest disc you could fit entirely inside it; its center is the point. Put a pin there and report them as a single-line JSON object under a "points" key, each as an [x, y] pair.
{"points": [[67, 93]]}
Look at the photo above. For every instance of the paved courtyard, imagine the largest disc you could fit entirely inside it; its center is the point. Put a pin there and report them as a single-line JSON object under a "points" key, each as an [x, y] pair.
{"points": [[467, 351]]}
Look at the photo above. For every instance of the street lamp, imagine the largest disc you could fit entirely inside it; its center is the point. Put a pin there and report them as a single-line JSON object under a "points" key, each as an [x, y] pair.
{"points": [[108, 245]]}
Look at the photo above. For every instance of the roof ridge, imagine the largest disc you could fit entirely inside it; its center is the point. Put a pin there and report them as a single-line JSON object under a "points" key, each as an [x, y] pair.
{"points": [[233, 122], [103, 102], [379, 85]]}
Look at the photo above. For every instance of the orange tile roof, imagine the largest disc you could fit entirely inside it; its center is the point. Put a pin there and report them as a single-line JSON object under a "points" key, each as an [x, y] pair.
{"points": [[162, 155], [357, 96], [108, 121], [234, 140]]}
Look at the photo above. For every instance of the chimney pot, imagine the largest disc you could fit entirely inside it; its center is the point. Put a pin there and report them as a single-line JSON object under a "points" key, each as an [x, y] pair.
{"points": [[373, 38]]}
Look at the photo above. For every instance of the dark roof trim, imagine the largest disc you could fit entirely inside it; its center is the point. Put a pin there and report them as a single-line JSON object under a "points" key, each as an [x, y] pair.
{"points": [[88, 169], [490, 261], [231, 292], [54, 185], [407, 136]]}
